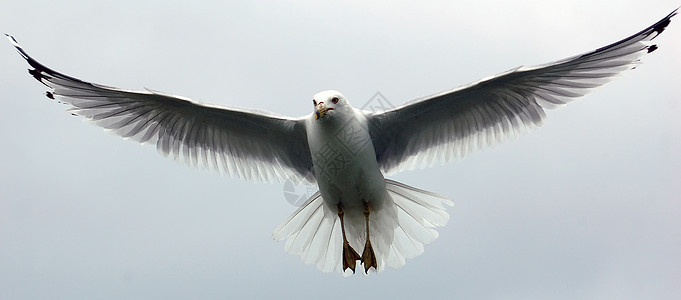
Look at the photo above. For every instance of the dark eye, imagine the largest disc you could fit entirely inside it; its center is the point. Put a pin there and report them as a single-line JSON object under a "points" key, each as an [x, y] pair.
{"points": [[334, 100], [314, 102]]}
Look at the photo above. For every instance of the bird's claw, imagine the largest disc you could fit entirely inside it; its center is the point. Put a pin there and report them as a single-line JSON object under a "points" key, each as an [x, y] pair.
{"points": [[369, 258], [350, 257]]}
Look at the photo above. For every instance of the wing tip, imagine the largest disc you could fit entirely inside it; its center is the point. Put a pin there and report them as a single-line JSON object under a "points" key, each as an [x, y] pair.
{"points": [[661, 25], [11, 39], [18, 47], [39, 72]]}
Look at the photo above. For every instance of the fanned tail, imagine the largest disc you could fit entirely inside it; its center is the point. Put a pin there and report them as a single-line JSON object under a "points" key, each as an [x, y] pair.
{"points": [[408, 224], [313, 233], [399, 230]]}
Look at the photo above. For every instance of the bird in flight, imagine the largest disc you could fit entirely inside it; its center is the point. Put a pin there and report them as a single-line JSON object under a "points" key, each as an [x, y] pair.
{"points": [[348, 152]]}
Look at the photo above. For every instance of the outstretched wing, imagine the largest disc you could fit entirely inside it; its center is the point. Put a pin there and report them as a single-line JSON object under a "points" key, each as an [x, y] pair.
{"points": [[438, 128], [251, 145]]}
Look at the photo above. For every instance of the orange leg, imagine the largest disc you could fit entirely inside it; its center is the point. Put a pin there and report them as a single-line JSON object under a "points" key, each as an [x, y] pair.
{"points": [[368, 256], [350, 256]]}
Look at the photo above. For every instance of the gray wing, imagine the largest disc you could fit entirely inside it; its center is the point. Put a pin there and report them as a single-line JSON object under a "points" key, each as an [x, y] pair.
{"points": [[441, 127], [254, 146]]}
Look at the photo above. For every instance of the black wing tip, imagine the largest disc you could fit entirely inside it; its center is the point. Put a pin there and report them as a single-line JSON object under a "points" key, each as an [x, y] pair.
{"points": [[644, 35], [660, 26], [16, 45], [37, 71], [37, 67], [10, 38], [40, 72]]}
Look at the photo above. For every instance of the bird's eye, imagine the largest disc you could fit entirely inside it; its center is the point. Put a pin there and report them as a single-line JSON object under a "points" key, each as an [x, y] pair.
{"points": [[314, 102], [334, 100]]}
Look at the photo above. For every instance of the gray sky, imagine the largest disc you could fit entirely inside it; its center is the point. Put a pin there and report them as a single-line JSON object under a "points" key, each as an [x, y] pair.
{"points": [[586, 206]]}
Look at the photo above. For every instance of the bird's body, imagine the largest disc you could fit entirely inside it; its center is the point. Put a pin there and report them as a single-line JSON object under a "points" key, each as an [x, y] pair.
{"points": [[338, 143], [348, 152], [349, 179], [352, 186]]}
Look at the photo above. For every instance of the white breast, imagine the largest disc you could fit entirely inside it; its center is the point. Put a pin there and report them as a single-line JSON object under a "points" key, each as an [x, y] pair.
{"points": [[345, 161]]}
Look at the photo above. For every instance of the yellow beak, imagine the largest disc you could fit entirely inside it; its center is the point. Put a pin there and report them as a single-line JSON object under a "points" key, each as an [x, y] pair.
{"points": [[320, 111]]}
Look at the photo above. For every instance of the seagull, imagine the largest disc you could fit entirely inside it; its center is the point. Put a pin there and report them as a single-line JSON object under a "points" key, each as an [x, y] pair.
{"points": [[348, 152]]}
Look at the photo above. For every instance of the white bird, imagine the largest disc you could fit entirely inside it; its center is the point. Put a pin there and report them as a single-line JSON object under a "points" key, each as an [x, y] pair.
{"points": [[348, 152]]}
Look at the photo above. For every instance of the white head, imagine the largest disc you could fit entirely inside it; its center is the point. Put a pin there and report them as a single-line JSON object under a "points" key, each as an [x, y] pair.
{"points": [[326, 103]]}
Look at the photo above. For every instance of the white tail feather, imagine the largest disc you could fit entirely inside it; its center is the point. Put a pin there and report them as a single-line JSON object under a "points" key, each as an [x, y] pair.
{"points": [[399, 230]]}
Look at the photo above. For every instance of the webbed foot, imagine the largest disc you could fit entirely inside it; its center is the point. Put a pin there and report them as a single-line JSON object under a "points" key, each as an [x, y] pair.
{"points": [[368, 257], [350, 257]]}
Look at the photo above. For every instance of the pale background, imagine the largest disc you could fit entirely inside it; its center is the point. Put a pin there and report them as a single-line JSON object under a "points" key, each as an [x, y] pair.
{"points": [[588, 206]]}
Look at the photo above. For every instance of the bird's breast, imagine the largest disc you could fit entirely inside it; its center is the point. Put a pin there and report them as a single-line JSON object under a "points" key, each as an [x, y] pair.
{"points": [[345, 162]]}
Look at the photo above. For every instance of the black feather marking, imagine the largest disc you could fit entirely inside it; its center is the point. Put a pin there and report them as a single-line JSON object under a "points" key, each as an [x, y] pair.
{"points": [[652, 48], [38, 75], [49, 95], [656, 28], [662, 25]]}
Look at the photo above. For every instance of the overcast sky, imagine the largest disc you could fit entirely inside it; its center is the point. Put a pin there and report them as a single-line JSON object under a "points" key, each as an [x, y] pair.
{"points": [[587, 206]]}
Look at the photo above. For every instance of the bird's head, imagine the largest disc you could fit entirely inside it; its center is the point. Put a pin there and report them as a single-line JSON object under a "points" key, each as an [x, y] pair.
{"points": [[327, 102]]}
